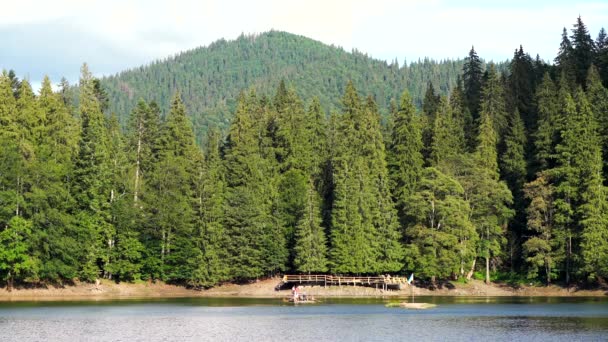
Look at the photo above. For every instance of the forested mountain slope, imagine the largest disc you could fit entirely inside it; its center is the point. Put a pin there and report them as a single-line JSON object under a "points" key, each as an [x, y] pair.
{"points": [[210, 78]]}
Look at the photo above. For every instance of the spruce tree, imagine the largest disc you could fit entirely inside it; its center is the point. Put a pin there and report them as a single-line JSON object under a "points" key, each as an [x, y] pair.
{"points": [[565, 176], [521, 87], [598, 99], [174, 181], [492, 102], [472, 73], [489, 198], [583, 53], [601, 58], [565, 62], [447, 141], [405, 153], [545, 249], [53, 204], [513, 167], [211, 192], [257, 242], [91, 181], [547, 132], [364, 237], [310, 242], [592, 207]]}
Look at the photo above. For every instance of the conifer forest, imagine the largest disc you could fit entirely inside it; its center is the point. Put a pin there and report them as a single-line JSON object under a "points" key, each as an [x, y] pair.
{"points": [[275, 153]]}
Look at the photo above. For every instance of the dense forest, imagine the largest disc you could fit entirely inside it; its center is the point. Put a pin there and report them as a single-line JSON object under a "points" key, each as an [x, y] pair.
{"points": [[210, 79], [504, 178]]}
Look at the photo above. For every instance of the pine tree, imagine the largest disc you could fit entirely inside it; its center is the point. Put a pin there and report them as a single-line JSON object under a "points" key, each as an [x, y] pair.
{"points": [[521, 88], [310, 243], [489, 198], [405, 153], [257, 242], [463, 120], [174, 181], [472, 76], [598, 99], [565, 62], [430, 106], [91, 186], [566, 175], [211, 191], [514, 170], [364, 237], [546, 135], [492, 102], [601, 58], [447, 141], [592, 206], [55, 240], [545, 249], [583, 53]]}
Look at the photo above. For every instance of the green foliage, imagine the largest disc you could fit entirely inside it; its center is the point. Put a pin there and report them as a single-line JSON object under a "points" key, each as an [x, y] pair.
{"points": [[211, 78], [442, 237], [16, 261], [405, 153], [289, 190]]}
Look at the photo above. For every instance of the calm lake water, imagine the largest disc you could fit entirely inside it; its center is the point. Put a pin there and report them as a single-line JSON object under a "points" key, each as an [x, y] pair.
{"points": [[238, 319]]}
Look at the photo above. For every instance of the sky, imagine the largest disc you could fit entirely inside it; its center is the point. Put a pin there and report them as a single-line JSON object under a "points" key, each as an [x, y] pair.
{"points": [[54, 37]]}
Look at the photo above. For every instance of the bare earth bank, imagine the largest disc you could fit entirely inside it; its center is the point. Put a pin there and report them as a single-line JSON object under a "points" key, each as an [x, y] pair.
{"points": [[265, 289]]}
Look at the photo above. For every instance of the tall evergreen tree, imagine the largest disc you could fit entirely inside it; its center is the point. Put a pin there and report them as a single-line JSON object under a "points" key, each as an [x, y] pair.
{"points": [[174, 181], [565, 62], [489, 198], [592, 207], [514, 170], [405, 153], [547, 132], [545, 249], [255, 234], [92, 176], [447, 142], [521, 87], [598, 99], [472, 73], [310, 247], [364, 236], [601, 58], [492, 102], [583, 53]]}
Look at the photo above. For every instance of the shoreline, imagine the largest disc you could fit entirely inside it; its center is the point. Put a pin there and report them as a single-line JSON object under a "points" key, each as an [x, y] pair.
{"points": [[108, 290]]}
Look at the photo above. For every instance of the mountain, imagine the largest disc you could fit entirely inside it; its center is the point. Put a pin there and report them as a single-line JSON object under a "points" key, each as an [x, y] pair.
{"points": [[210, 78]]}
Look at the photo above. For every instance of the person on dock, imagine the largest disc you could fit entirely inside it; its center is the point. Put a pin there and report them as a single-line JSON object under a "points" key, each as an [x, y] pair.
{"points": [[294, 292]]}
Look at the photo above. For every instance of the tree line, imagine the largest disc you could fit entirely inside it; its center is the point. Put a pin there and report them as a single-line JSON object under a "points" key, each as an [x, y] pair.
{"points": [[505, 177]]}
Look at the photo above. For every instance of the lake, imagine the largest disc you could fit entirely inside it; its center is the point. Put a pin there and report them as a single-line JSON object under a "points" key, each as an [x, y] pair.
{"points": [[241, 319]]}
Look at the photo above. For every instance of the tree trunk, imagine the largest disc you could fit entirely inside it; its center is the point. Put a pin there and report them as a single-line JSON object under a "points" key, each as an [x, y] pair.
{"points": [[568, 254], [488, 268], [470, 274], [136, 188], [9, 282]]}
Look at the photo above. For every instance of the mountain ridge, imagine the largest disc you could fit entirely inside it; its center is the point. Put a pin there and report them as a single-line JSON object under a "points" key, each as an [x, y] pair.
{"points": [[210, 78]]}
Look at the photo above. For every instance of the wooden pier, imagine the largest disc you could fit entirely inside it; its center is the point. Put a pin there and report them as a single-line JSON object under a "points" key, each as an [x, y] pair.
{"points": [[384, 282]]}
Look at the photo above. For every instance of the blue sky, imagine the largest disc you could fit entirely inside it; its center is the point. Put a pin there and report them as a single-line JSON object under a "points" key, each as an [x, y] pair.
{"points": [[56, 37]]}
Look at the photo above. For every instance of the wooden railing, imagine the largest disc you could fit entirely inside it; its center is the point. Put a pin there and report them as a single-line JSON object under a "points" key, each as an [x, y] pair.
{"points": [[323, 279]]}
